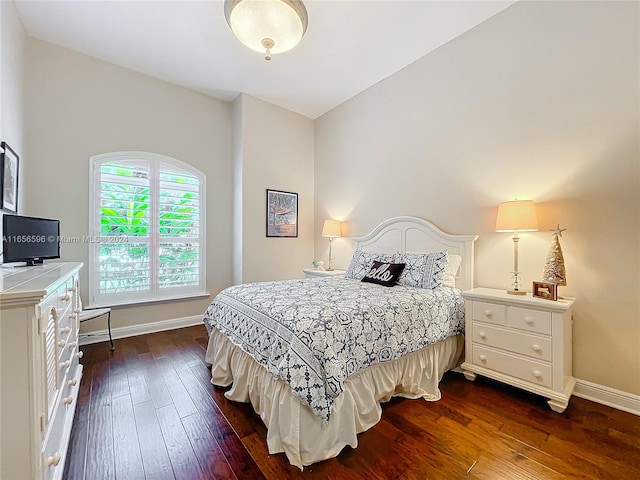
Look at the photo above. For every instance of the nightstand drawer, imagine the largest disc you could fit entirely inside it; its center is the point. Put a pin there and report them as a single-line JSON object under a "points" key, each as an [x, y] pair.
{"points": [[529, 320], [489, 312], [517, 342], [528, 370]]}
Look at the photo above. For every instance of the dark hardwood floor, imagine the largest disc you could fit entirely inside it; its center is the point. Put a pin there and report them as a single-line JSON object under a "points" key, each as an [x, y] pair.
{"points": [[148, 410]]}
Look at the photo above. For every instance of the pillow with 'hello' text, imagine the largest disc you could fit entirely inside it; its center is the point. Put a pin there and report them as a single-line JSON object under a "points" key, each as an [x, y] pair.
{"points": [[382, 273]]}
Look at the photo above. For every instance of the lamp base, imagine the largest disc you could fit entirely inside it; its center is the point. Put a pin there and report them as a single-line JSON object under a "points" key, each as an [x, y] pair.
{"points": [[516, 292]]}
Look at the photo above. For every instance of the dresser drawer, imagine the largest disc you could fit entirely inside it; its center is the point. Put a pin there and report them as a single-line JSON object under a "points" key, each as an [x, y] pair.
{"points": [[533, 346], [489, 312], [529, 320], [528, 370], [55, 444]]}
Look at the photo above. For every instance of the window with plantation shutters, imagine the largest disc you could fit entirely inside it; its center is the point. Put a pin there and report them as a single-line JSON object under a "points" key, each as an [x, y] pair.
{"points": [[147, 229]]}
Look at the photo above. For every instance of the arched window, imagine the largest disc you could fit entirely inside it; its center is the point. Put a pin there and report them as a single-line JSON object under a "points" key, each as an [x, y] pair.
{"points": [[147, 229]]}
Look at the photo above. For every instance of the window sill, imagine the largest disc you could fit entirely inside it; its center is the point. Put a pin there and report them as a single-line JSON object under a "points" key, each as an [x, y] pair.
{"points": [[141, 301]]}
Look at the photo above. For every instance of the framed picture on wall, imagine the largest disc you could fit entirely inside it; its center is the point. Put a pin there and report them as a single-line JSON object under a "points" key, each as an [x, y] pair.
{"points": [[282, 214], [8, 179]]}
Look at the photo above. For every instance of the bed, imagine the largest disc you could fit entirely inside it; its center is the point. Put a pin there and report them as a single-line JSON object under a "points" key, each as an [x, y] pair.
{"points": [[316, 357]]}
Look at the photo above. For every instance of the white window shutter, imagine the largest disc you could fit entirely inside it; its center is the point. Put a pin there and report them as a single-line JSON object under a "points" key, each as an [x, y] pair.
{"points": [[146, 212]]}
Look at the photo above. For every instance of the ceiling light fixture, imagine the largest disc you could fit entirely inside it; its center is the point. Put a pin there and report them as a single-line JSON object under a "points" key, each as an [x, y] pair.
{"points": [[269, 26]]}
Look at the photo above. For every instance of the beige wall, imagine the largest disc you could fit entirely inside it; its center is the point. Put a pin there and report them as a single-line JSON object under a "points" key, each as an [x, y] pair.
{"points": [[273, 149], [76, 107], [540, 102], [12, 45]]}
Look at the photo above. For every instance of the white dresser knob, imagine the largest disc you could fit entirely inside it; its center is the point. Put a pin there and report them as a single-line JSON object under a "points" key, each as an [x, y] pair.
{"points": [[529, 320], [483, 358], [66, 329], [80, 354], [487, 313], [68, 400], [536, 348], [61, 343], [482, 335], [72, 316], [65, 297], [76, 310], [72, 344], [73, 382], [71, 289], [65, 364], [537, 374], [53, 461]]}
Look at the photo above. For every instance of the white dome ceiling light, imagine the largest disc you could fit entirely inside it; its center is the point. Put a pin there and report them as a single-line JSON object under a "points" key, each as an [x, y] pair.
{"points": [[269, 26]]}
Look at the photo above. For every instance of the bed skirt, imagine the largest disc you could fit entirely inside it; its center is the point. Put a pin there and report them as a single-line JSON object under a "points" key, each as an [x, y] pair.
{"points": [[294, 429]]}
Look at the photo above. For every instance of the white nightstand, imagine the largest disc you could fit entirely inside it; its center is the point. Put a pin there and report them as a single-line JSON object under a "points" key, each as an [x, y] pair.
{"points": [[520, 340], [312, 272]]}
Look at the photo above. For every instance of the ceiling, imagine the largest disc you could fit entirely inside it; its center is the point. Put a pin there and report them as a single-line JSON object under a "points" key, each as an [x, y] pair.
{"points": [[349, 46]]}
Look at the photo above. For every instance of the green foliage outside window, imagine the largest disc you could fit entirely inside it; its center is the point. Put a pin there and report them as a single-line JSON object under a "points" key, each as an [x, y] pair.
{"points": [[125, 213]]}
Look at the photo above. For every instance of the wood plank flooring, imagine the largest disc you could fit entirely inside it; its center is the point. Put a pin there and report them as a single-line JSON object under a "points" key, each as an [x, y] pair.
{"points": [[148, 411]]}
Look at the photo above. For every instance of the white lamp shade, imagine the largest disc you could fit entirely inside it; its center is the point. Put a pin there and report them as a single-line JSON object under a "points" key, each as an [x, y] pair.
{"points": [[517, 215], [331, 228], [282, 21]]}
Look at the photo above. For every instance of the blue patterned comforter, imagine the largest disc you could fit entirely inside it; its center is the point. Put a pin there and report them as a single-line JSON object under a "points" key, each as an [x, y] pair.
{"points": [[314, 333]]}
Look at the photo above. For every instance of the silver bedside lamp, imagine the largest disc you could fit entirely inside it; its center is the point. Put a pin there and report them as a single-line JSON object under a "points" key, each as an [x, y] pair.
{"points": [[516, 216], [331, 229]]}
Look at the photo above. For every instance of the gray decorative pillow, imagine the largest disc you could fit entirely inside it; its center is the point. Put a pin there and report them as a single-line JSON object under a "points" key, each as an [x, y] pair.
{"points": [[361, 263], [422, 270]]}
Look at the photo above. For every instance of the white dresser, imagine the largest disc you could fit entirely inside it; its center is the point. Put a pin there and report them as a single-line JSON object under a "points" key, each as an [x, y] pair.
{"points": [[520, 340], [40, 368]]}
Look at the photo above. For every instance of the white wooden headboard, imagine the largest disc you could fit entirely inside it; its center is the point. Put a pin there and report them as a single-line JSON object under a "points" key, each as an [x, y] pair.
{"points": [[412, 234]]}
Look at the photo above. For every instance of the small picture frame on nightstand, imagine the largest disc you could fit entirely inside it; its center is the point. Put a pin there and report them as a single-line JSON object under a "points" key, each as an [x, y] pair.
{"points": [[548, 291]]}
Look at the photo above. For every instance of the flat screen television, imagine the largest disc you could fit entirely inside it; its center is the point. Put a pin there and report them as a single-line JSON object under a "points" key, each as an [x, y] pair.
{"points": [[29, 239]]}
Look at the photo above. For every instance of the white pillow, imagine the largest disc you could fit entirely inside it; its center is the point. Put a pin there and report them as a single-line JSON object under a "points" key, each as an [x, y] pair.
{"points": [[451, 272], [422, 270], [361, 263]]}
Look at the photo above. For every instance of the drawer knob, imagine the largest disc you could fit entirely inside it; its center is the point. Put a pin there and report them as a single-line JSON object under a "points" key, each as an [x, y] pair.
{"points": [[529, 320], [80, 354], [65, 364], [61, 343], [53, 460], [536, 348], [487, 313], [68, 400], [483, 358], [66, 329], [482, 335], [72, 344], [65, 297], [73, 382], [71, 289], [537, 374]]}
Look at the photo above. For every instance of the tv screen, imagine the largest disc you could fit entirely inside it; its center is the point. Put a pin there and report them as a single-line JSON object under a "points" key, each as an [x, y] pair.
{"points": [[29, 239]]}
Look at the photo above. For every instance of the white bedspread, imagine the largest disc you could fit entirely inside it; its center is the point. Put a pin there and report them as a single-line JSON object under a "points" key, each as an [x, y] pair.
{"points": [[314, 334]]}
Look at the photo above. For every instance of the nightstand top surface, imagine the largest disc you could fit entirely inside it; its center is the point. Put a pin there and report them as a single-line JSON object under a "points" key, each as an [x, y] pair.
{"points": [[493, 294], [323, 273]]}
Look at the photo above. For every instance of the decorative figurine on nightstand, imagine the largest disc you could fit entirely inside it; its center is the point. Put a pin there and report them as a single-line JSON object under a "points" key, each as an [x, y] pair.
{"points": [[318, 265], [554, 271]]}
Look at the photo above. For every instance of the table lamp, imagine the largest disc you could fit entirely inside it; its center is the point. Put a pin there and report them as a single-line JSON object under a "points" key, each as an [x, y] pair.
{"points": [[331, 229], [516, 216]]}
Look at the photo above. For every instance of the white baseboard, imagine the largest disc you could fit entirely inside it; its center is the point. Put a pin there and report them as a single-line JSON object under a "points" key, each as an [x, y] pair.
{"points": [[627, 402], [611, 397], [132, 331]]}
